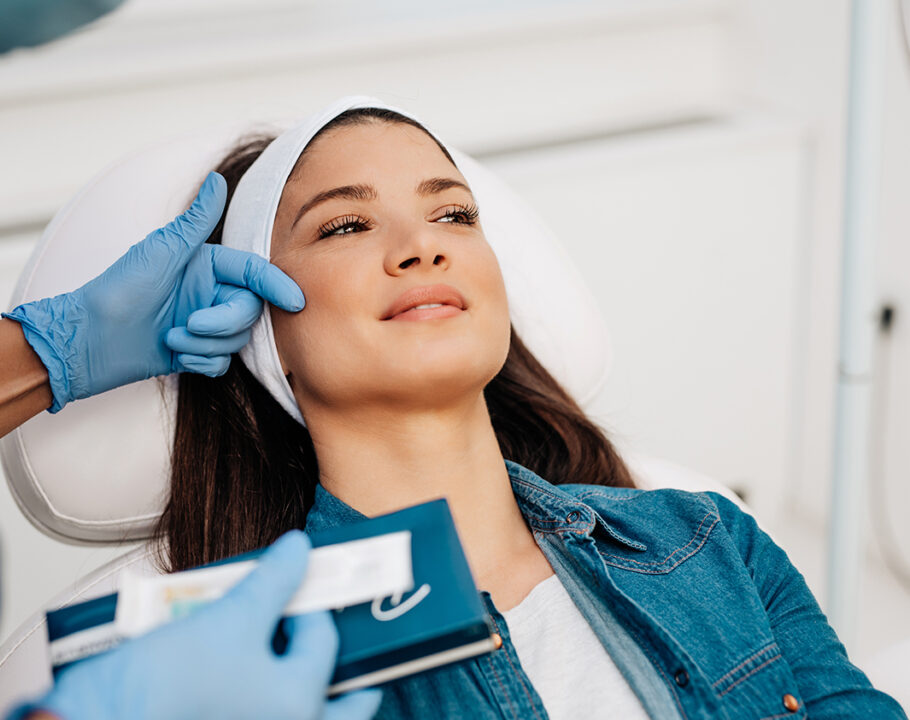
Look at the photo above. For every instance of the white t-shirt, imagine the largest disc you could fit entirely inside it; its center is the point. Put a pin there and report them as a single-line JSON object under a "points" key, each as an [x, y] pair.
{"points": [[571, 671]]}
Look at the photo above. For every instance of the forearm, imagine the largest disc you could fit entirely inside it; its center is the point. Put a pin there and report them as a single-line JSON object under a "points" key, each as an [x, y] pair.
{"points": [[24, 387], [830, 685]]}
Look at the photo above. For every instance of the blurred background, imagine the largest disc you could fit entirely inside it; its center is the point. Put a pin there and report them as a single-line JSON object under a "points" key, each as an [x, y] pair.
{"points": [[689, 153]]}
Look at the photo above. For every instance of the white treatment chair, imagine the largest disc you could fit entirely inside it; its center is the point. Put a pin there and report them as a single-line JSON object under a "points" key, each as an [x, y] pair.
{"points": [[97, 471]]}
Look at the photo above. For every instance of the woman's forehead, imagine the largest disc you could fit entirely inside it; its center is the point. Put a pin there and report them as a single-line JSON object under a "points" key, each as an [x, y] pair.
{"points": [[373, 145]]}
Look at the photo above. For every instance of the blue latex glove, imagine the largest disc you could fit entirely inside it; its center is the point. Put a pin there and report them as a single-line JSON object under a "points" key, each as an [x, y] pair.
{"points": [[172, 303], [218, 662]]}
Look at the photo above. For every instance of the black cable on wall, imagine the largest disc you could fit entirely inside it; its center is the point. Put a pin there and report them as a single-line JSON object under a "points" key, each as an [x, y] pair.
{"points": [[882, 529]]}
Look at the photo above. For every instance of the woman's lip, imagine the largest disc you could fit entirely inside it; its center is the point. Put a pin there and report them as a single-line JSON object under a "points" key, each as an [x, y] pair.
{"points": [[425, 295], [443, 311]]}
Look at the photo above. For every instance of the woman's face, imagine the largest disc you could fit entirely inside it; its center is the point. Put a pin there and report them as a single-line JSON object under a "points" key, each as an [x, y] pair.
{"points": [[353, 256]]}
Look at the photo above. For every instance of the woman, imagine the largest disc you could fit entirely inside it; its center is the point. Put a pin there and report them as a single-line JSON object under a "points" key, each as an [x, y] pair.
{"points": [[611, 601]]}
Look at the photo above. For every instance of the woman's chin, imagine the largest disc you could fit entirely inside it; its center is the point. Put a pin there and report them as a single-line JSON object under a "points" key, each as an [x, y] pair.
{"points": [[447, 381]]}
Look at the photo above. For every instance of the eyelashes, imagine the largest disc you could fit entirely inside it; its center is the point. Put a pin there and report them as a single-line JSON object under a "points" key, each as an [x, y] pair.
{"points": [[459, 214], [469, 213]]}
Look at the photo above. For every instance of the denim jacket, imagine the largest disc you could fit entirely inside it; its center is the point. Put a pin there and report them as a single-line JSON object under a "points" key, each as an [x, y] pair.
{"points": [[701, 612]]}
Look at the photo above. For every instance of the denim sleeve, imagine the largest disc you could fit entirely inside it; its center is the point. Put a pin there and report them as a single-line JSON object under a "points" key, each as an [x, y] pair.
{"points": [[830, 685]]}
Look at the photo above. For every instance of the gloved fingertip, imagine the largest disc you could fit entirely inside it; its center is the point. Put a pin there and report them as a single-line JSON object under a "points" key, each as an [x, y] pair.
{"points": [[213, 185], [289, 551], [292, 542], [292, 297], [207, 207], [281, 289], [188, 363], [219, 370], [299, 303]]}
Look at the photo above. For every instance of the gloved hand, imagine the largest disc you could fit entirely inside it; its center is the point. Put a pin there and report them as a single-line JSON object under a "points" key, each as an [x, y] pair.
{"points": [[218, 661], [172, 303]]}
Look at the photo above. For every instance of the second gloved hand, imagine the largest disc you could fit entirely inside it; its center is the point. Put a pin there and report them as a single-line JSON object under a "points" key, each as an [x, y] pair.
{"points": [[218, 662], [172, 303]]}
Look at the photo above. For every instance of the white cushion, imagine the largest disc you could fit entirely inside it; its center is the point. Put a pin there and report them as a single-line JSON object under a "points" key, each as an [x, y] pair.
{"points": [[25, 670]]}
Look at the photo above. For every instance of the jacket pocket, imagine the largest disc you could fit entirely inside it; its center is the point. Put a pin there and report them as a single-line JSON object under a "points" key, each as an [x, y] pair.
{"points": [[760, 686], [669, 543]]}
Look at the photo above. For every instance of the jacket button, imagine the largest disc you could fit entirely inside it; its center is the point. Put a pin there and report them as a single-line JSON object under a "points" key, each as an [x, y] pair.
{"points": [[497, 640], [682, 678], [573, 516], [791, 703]]}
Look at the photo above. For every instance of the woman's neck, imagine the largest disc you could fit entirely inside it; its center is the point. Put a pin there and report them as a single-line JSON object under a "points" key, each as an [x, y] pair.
{"points": [[381, 462]]}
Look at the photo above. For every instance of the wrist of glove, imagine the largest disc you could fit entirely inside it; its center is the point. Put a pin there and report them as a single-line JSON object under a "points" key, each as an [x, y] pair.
{"points": [[51, 326]]}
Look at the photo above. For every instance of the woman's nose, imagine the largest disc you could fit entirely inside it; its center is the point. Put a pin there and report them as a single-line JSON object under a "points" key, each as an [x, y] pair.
{"points": [[416, 247]]}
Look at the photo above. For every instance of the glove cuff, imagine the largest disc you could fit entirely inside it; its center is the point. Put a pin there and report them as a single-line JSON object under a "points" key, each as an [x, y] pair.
{"points": [[51, 340]]}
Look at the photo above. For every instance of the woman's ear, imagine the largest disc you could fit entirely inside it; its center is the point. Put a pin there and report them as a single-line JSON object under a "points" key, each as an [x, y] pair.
{"points": [[284, 367], [288, 375]]}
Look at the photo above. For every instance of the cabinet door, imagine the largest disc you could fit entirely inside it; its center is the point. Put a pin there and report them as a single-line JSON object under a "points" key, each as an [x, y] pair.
{"points": [[691, 240]]}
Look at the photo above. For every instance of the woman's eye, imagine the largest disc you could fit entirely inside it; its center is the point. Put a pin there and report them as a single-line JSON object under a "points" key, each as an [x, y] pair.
{"points": [[460, 214], [343, 224]]}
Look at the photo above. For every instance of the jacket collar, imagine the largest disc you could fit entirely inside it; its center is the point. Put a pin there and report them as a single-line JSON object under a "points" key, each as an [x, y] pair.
{"points": [[546, 507]]}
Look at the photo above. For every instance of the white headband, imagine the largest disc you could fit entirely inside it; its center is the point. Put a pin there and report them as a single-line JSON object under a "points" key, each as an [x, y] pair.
{"points": [[248, 226]]}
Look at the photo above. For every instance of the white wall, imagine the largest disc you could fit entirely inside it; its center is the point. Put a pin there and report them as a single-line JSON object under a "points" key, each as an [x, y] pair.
{"points": [[892, 409], [796, 59]]}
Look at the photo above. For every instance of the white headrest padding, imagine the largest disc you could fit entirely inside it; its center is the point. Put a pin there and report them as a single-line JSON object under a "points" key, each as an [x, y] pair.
{"points": [[97, 471]]}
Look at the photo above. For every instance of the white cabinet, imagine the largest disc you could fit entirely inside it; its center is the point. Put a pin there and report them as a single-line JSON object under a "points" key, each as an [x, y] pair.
{"points": [[692, 241]]}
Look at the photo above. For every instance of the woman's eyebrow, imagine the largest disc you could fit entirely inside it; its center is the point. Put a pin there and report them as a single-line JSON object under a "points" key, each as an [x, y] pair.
{"points": [[430, 186]]}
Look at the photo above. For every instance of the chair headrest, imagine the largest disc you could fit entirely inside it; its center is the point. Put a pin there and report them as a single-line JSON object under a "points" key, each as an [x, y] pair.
{"points": [[97, 471]]}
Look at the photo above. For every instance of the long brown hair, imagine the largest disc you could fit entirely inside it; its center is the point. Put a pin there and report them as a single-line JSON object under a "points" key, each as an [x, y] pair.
{"points": [[243, 471]]}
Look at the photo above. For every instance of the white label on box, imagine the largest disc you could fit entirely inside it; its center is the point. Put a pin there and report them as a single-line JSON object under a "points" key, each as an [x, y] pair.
{"points": [[337, 576]]}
